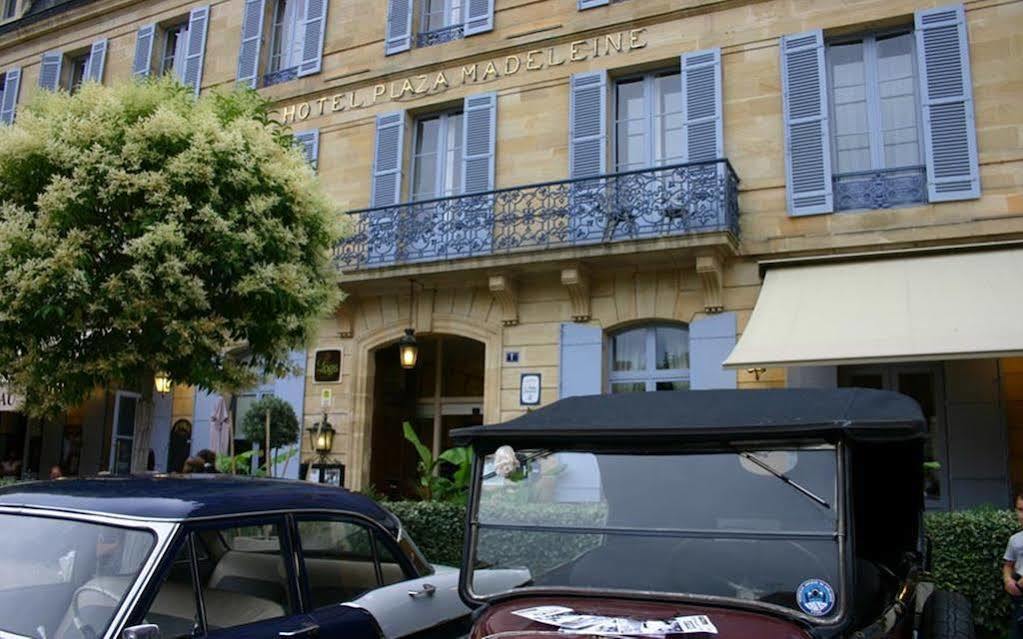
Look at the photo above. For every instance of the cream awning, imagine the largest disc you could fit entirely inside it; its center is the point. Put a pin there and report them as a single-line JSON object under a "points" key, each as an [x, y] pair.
{"points": [[966, 304]]}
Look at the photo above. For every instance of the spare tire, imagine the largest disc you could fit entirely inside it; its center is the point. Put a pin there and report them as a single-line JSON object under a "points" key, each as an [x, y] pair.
{"points": [[947, 615]]}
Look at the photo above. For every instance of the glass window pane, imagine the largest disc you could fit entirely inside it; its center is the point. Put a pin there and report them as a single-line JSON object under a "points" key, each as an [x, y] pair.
{"points": [[174, 609], [669, 93], [631, 103], [672, 386], [628, 351], [849, 95], [248, 580], [126, 415], [628, 387], [339, 561], [897, 90], [672, 347]]}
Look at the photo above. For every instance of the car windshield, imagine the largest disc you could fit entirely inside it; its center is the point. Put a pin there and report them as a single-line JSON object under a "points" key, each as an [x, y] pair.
{"points": [[65, 579], [745, 524]]}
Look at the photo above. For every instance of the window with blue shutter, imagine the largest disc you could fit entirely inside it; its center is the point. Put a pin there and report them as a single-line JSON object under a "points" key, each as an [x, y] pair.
{"points": [[97, 61], [649, 358], [475, 215], [9, 97], [312, 45], [399, 27], [587, 156], [702, 132], [479, 16], [388, 155], [807, 134], [142, 64], [252, 40], [950, 138], [50, 70], [195, 54], [711, 340], [581, 348], [309, 143]]}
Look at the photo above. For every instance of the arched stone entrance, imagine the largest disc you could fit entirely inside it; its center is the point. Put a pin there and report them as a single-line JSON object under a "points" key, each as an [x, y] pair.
{"points": [[444, 391]]}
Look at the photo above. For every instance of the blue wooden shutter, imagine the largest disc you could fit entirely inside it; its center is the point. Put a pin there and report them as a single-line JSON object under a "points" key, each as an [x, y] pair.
{"points": [[252, 40], [97, 61], [589, 4], [399, 27], [309, 143], [12, 82], [292, 390], [49, 70], [143, 63], [479, 133], [946, 90], [711, 339], [479, 16], [312, 46], [387, 159], [582, 351], [198, 20], [807, 133], [703, 135], [587, 129]]}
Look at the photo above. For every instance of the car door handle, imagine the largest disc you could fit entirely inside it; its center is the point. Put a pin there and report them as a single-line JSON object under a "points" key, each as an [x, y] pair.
{"points": [[305, 631], [427, 590]]}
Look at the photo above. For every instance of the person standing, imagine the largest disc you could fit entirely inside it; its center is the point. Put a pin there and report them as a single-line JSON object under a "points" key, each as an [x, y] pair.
{"points": [[1012, 570]]}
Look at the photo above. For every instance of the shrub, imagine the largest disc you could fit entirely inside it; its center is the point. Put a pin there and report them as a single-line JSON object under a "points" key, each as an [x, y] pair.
{"points": [[437, 527], [966, 556]]}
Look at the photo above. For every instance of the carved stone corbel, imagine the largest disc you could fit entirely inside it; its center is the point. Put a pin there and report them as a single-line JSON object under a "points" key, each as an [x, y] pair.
{"points": [[711, 273], [506, 292], [577, 281]]}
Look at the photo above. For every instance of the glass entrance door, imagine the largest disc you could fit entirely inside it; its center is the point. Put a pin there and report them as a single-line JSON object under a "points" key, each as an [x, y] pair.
{"points": [[924, 383]]}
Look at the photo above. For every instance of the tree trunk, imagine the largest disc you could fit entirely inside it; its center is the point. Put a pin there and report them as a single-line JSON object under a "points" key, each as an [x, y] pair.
{"points": [[143, 426]]}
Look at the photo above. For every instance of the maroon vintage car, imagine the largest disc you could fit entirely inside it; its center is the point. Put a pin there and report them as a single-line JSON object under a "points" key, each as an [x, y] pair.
{"points": [[735, 514]]}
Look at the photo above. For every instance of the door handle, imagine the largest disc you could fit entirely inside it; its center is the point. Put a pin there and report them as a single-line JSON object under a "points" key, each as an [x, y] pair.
{"points": [[305, 631], [427, 590]]}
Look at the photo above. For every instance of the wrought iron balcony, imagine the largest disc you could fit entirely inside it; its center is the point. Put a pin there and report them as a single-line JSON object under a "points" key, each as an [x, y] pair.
{"points": [[277, 77], [881, 189], [439, 36], [651, 203]]}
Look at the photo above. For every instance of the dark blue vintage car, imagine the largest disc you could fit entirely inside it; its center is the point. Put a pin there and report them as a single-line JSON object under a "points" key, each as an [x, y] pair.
{"points": [[212, 556]]}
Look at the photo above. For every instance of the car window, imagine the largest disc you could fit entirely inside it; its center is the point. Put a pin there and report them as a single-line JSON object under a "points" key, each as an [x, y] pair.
{"points": [[343, 560], [174, 608], [248, 578]]}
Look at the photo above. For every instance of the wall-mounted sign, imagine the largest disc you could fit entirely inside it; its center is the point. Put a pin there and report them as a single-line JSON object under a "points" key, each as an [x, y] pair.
{"points": [[511, 357], [327, 366], [9, 402], [529, 389], [418, 86]]}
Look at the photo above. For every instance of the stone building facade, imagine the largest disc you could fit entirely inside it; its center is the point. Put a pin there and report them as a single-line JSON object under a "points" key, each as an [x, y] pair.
{"points": [[612, 195]]}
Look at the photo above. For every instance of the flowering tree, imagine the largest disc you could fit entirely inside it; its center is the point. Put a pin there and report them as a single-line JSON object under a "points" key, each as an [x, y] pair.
{"points": [[144, 231]]}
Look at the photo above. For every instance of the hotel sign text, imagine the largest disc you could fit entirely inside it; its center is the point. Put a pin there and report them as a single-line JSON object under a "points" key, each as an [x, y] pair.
{"points": [[476, 73]]}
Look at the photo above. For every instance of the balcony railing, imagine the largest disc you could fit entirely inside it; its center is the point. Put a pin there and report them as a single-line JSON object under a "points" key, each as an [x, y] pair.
{"points": [[881, 189], [277, 77], [667, 201], [439, 36]]}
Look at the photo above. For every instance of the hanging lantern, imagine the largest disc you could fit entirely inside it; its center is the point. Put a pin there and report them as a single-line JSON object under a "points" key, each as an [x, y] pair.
{"points": [[321, 437], [162, 381], [408, 349]]}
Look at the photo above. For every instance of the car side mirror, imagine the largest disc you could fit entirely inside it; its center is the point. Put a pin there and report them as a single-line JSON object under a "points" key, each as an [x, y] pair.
{"points": [[141, 631]]}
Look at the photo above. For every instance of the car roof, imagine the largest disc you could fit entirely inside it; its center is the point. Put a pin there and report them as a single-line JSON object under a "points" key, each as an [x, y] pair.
{"points": [[185, 497], [690, 416]]}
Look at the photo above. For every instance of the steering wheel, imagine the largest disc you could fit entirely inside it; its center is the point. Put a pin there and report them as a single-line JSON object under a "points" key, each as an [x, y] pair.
{"points": [[85, 630]]}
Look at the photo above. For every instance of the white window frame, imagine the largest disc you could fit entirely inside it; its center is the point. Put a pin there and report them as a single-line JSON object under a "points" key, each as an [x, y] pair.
{"points": [[236, 426], [165, 65], [10, 10], [440, 185], [74, 64], [450, 6], [273, 60], [874, 117], [650, 375], [114, 436], [649, 80]]}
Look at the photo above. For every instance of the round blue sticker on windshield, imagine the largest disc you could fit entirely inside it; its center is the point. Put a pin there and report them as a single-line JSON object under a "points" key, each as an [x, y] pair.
{"points": [[815, 597]]}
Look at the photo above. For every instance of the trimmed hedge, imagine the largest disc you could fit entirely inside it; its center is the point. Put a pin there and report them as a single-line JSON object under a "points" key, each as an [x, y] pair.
{"points": [[966, 551], [966, 556]]}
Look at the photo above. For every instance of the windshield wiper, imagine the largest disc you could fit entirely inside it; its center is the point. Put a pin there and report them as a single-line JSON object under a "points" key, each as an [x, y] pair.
{"points": [[785, 478]]}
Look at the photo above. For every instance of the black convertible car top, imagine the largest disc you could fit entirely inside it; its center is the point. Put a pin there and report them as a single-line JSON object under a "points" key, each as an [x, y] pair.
{"points": [[712, 415]]}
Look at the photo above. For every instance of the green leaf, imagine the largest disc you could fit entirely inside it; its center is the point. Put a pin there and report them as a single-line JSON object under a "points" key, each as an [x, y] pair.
{"points": [[425, 456]]}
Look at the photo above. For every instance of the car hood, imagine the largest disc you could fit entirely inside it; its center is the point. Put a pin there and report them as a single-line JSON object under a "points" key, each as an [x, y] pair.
{"points": [[505, 619]]}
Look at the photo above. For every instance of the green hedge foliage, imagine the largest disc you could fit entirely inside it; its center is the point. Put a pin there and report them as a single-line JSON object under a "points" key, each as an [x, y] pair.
{"points": [[966, 556], [966, 551]]}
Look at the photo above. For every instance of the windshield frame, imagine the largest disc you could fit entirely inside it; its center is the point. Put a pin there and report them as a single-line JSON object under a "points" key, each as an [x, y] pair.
{"points": [[162, 532], [841, 534]]}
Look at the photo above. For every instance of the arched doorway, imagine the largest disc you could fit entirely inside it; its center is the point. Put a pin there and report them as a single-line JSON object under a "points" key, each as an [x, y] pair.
{"points": [[444, 391]]}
